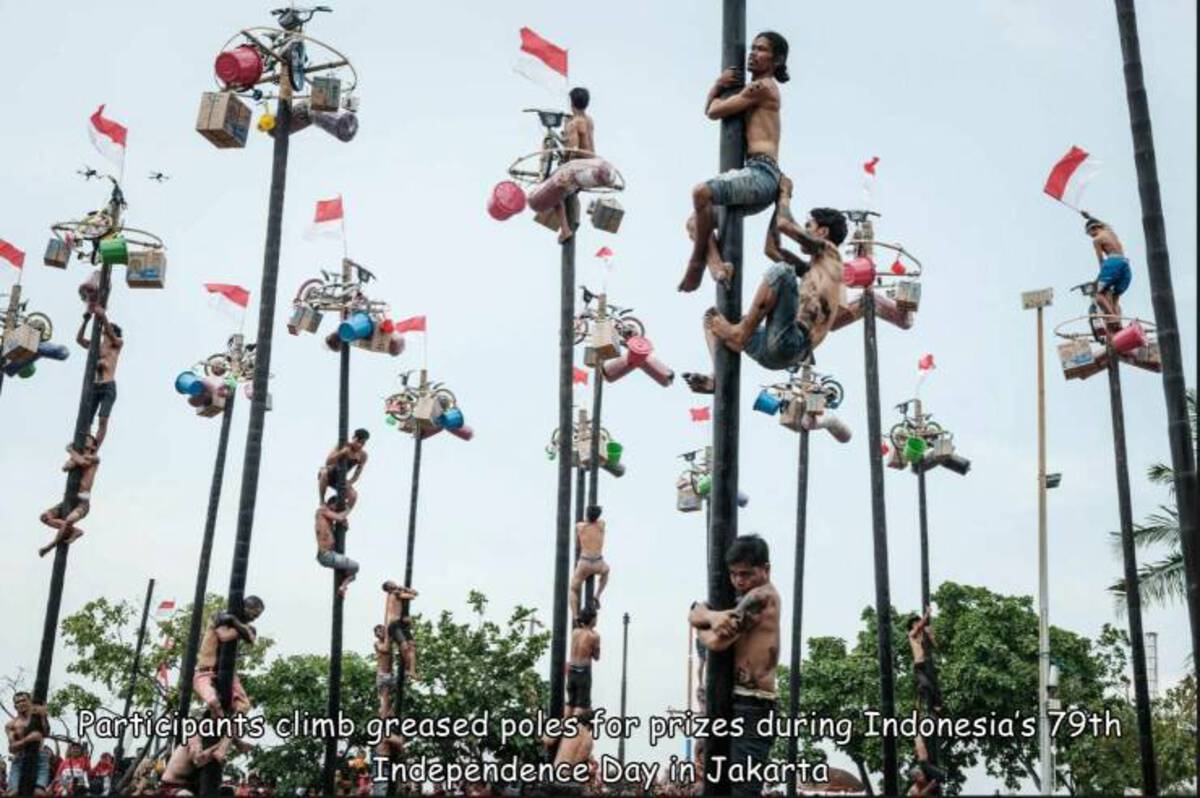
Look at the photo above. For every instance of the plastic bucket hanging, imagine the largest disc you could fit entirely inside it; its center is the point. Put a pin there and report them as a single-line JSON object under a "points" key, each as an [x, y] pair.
{"points": [[114, 251], [451, 419], [27, 371], [1129, 338], [239, 68], [507, 200], [704, 485], [914, 449], [639, 349], [358, 326], [766, 402], [614, 453], [189, 384], [858, 272], [742, 499]]}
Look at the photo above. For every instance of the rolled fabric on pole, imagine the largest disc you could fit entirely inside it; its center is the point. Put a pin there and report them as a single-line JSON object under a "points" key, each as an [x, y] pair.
{"points": [[53, 351], [429, 432], [215, 386], [342, 125], [659, 372], [333, 342], [616, 469], [585, 173], [355, 327], [396, 344], [616, 368], [301, 117], [203, 399], [189, 384], [887, 309], [827, 421]]}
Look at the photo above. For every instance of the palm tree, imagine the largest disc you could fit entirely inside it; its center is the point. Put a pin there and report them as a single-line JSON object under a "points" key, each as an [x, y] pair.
{"points": [[1163, 581]]}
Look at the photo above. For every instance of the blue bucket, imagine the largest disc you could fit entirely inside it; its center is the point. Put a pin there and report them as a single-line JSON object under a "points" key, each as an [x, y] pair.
{"points": [[742, 499], [451, 419], [188, 383], [766, 402], [356, 327], [53, 351]]}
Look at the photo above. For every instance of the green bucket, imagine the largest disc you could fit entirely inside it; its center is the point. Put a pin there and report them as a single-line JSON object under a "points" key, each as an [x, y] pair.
{"points": [[114, 251], [914, 449], [704, 485], [27, 371], [389, 420], [614, 452]]}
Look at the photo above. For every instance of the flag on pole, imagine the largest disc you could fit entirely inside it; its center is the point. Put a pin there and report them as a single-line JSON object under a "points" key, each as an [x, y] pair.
{"points": [[413, 324], [579, 376], [868, 180], [543, 62], [924, 365], [605, 253], [165, 608], [1069, 177], [233, 293], [11, 254], [328, 222], [108, 138], [700, 414], [869, 166]]}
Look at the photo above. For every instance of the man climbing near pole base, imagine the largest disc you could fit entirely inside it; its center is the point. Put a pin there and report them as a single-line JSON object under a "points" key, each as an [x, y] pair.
{"points": [[585, 647], [398, 625], [753, 187], [88, 462], [590, 537], [356, 457], [225, 628], [327, 555]]}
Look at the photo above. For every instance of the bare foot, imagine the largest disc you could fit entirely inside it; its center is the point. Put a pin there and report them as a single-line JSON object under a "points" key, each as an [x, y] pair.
{"points": [[564, 233], [44, 550], [345, 584], [785, 186], [721, 271], [693, 276], [699, 383], [730, 334]]}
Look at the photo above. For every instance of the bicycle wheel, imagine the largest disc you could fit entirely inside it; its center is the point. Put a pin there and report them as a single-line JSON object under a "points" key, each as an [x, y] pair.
{"points": [[445, 397], [581, 329], [309, 291], [834, 393], [297, 61], [41, 322], [899, 436], [1096, 323], [630, 326], [399, 406]]}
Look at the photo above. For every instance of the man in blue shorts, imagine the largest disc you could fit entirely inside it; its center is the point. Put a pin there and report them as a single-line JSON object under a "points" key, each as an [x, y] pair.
{"points": [[1115, 275]]}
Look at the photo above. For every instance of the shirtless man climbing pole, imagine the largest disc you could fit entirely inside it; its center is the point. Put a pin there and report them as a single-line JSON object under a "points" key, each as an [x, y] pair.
{"points": [[752, 629], [798, 314], [327, 554], [104, 385], [753, 187], [1115, 275], [590, 537], [585, 647], [579, 133], [225, 628], [385, 680], [183, 767], [87, 462], [26, 732], [399, 625], [356, 458], [921, 641]]}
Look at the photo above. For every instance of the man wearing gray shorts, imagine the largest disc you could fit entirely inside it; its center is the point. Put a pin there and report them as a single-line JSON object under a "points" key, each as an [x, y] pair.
{"points": [[755, 186], [327, 555]]}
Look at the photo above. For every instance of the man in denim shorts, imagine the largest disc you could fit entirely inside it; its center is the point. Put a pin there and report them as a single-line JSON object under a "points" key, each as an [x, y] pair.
{"points": [[1115, 275], [753, 187]]}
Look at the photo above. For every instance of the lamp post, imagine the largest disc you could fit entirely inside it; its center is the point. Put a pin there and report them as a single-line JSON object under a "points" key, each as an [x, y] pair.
{"points": [[1039, 300]]}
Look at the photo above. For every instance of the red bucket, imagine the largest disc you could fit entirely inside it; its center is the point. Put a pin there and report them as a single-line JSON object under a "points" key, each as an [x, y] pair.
{"points": [[1129, 338], [639, 349], [507, 200], [859, 272], [239, 68]]}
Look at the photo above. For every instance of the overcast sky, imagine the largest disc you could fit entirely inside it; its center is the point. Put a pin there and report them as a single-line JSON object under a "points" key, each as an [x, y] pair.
{"points": [[968, 105]]}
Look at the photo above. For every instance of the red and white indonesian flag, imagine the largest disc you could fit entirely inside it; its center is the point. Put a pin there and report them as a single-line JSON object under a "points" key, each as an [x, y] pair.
{"points": [[165, 609], [108, 138], [228, 300], [329, 220], [1070, 176], [925, 365], [11, 254], [700, 413], [868, 180], [542, 62], [578, 376], [412, 324]]}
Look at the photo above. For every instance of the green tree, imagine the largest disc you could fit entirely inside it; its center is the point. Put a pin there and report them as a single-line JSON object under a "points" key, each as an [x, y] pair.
{"points": [[1161, 581], [986, 656]]}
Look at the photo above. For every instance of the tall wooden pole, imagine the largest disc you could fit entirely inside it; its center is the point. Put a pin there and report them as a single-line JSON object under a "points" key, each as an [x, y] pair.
{"points": [[624, 683], [727, 381], [1133, 592], [119, 751], [227, 655], [58, 573], [1044, 752], [883, 601], [923, 519], [409, 558], [334, 704], [797, 599], [562, 536], [589, 588], [1162, 297], [187, 667]]}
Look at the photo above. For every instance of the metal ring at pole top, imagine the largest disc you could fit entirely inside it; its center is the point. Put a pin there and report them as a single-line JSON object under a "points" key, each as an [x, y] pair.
{"points": [[1124, 321], [277, 57], [850, 245], [79, 231], [531, 178]]}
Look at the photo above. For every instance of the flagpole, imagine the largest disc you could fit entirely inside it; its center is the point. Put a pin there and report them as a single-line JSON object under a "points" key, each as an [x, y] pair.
{"points": [[345, 241]]}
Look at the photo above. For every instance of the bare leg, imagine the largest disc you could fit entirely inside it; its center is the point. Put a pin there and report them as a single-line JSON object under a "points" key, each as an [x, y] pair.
{"points": [[704, 222], [50, 518], [345, 583], [573, 599], [322, 484], [409, 652], [101, 431], [351, 497], [603, 583], [734, 336], [703, 383], [564, 227]]}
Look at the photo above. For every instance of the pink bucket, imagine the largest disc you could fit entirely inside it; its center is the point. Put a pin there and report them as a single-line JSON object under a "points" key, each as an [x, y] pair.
{"points": [[239, 68], [507, 200], [658, 371], [1129, 338], [639, 349], [617, 367], [859, 272]]}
